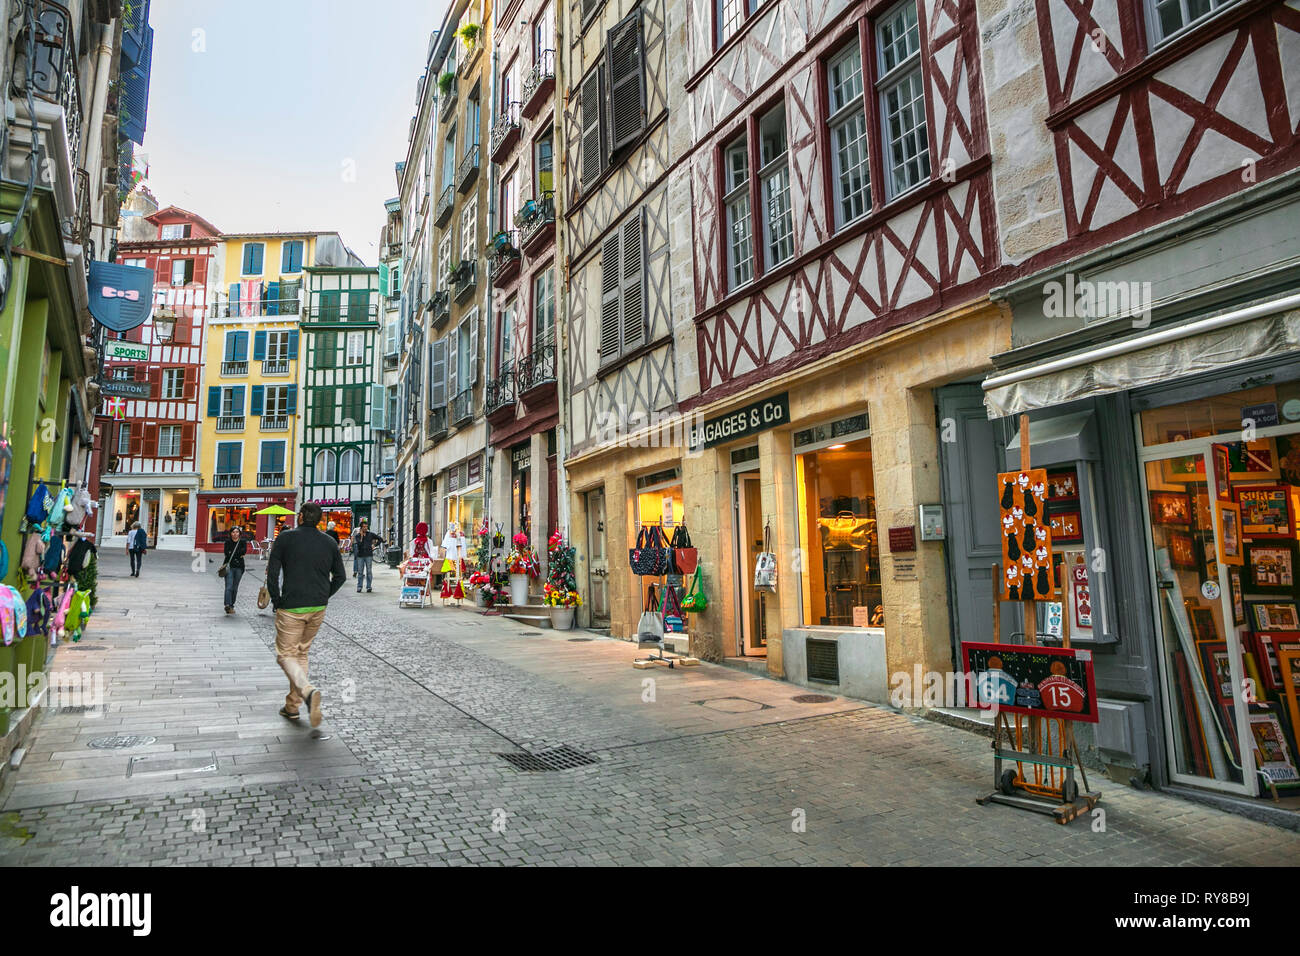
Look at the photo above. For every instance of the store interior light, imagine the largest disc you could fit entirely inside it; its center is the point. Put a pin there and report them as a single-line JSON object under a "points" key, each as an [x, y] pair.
{"points": [[837, 447]]}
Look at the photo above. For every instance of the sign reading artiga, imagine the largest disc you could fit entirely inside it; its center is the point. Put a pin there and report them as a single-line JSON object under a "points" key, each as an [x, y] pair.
{"points": [[761, 415]]}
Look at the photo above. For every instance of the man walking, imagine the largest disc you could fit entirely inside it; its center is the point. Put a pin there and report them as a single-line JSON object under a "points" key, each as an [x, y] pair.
{"points": [[136, 543], [313, 571], [363, 554]]}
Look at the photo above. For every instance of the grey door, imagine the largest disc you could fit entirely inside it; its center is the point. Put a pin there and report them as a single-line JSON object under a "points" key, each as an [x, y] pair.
{"points": [[597, 560]]}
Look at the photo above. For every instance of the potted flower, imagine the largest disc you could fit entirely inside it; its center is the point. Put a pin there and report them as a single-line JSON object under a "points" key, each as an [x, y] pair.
{"points": [[479, 581], [521, 564], [445, 83], [469, 35], [501, 241], [560, 605], [560, 594]]}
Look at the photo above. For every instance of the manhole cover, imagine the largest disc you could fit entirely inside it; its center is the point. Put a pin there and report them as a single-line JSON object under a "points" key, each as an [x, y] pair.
{"points": [[733, 705], [812, 698], [120, 742], [80, 709], [144, 766], [574, 640], [563, 757], [86, 647]]}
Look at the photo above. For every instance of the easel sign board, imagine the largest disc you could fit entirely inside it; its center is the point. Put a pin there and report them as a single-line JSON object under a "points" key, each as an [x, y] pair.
{"points": [[1038, 681], [411, 595], [1027, 570]]}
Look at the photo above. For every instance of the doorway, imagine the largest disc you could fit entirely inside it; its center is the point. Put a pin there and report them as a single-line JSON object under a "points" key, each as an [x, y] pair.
{"points": [[597, 560], [751, 622]]}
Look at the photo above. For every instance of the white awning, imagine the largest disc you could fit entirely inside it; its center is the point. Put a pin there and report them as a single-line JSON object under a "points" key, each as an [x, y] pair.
{"points": [[1204, 345]]}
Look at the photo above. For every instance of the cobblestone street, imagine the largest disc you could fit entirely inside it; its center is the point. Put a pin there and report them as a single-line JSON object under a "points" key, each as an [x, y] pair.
{"points": [[705, 765]]}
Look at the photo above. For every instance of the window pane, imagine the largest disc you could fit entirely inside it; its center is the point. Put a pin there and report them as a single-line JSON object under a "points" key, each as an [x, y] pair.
{"points": [[740, 249], [844, 76], [779, 226], [852, 174], [899, 35], [909, 146], [731, 16]]}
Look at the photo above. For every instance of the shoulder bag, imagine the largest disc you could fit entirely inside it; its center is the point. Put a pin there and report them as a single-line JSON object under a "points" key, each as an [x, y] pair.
{"points": [[695, 600], [765, 565], [685, 555], [650, 628], [650, 557]]}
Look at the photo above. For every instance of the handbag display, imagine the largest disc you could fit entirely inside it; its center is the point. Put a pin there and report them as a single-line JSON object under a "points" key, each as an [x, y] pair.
{"points": [[765, 565], [686, 557], [695, 600], [674, 622], [846, 530], [650, 628], [650, 557]]}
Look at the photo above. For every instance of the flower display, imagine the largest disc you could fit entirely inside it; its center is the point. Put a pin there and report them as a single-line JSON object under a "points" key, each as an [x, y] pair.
{"points": [[561, 588], [522, 559]]}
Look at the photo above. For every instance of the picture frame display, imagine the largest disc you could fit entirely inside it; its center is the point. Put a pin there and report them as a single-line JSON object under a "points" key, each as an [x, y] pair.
{"points": [[1272, 755], [1067, 527], [1266, 646], [1289, 665], [1063, 486], [1273, 615], [1217, 669], [1266, 511], [1171, 508], [1237, 595], [1270, 567], [1232, 550], [1222, 471], [1182, 551], [1253, 460]]}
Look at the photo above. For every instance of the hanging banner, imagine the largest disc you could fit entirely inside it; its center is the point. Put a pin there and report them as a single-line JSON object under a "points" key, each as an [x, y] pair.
{"points": [[121, 297]]}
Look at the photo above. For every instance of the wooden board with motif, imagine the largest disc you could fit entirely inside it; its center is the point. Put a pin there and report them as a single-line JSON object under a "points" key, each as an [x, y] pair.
{"points": [[1026, 536]]}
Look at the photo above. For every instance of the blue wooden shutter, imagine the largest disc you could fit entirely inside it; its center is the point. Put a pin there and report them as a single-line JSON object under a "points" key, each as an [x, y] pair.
{"points": [[135, 93], [256, 403], [237, 401], [292, 405], [293, 344], [214, 401], [233, 303], [232, 339], [273, 298], [259, 347]]}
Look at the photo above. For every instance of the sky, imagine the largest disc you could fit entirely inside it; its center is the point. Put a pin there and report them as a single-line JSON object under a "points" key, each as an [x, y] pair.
{"points": [[280, 115]]}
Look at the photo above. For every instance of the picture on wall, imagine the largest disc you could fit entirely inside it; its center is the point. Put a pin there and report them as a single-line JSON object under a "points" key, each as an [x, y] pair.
{"points": [[1222, 487], [1182, 551], [1270, 567], [1289, 662], [1171, 508], [1253, 460], [1237, 594], [1273, 616], [1266, 511], [1067, 528], [1271, 752], [1231, 549], [1063, 486]]}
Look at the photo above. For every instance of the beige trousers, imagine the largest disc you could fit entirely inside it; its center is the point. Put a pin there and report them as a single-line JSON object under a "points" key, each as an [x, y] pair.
{"points": [[293, 636]]}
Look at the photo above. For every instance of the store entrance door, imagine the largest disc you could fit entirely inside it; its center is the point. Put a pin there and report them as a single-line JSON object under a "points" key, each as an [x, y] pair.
{"points": [[597, 561], [751, 622]]}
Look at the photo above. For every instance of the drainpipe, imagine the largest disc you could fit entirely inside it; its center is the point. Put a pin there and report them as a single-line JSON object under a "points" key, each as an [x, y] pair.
{"points": [[559, 158], [487, 312]]}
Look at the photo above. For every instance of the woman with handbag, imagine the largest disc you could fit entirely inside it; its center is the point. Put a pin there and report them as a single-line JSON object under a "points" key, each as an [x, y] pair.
{"points": [[233, 569]]}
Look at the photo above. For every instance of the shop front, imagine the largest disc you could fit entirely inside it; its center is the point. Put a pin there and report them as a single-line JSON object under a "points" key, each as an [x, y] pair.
{"points": [[164, 511], [218, 513], [463, 503], [346, 514]]}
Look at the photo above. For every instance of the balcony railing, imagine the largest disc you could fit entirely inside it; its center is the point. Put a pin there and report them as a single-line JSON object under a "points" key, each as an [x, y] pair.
{"points": [[536, 370], [76, 229], [447, 97], [503, 257], [392, 359], [539, 83], [230, 423], [275, 367], [436, 423], [275, 423], [270, 479], [462, 407], [45, 50], [465, 278], [226, 481], [223, 307], [339, 313], [441, 307], [500, 392], [234, 368], [446, 200], [536, 221], [468, 169], [505, 131]]}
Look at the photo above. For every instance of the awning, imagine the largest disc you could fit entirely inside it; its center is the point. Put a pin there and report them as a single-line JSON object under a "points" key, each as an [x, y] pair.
{"points": [[121, 297], [1203, 345]]}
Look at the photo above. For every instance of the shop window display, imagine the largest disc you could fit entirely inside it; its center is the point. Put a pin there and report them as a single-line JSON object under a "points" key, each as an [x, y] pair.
{"points": [[661, 506], [838, 535], [221, 520]]}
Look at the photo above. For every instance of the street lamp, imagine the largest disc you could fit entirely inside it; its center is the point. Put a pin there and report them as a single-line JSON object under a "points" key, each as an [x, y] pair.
{"points": [[164, 324]]}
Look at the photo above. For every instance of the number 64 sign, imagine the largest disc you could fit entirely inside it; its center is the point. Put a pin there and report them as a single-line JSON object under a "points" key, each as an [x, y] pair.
{"points": [[1040, 681]]}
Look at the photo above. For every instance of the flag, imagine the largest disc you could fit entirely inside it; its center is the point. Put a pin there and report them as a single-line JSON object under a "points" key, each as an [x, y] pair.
{"points": [[117, 408]]}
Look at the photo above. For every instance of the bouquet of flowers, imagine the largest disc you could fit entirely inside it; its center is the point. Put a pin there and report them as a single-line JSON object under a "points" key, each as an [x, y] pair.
{"points": [[522, 559], [561, 588], [479, 579]]}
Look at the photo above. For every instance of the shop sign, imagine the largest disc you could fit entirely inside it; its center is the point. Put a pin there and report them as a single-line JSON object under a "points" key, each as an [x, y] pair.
{"points": [[1039, 681], [759, 416], [1263, 416], [121, 297], [123, 389], [902, 539], [244, 500], [331, 501], [126, 351], [474, 470]]}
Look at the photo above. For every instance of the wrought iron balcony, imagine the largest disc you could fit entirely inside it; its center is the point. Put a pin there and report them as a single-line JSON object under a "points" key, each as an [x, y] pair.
{"points": [[275, 423], [446, 97], [234, 368], [505, 131], [392, 359], [223, 307], [462, 407], [499, 395], [539, 83], [465, 278], [230, 423], [76, 228], [45, 64], [536, 371], [467, 171], [226, 481], [536, 222], [503, 257], [275, 367], [446, 199], [270, 479], [335, 312], [441, 310], [436, 423]]}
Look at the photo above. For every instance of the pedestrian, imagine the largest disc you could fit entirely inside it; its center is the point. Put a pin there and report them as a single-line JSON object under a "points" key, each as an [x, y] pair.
{"points": [[329, 530], [313, 571], [236, 548], [363, 551], [136, 543]]}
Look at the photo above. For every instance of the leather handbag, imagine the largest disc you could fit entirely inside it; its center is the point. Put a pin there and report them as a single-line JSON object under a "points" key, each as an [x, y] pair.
{"points": [[846, 530], [674, 622], [650, 557], [263, 598], [695, 600], [650, 628], [685, 555]]}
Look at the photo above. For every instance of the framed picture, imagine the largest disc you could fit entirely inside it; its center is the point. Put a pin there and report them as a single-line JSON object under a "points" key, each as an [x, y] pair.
{"points": [[1182, 551], [1202, 518], [1272, 755], [1204, 630], [1253, 460], [1222, 483], [1266, 511], [1062, 486], [1171, 507], [1067, 528], [1266, 646], [1231, 549], [1270, 567], [1186, 469], [1273, 615], [1289, 663], [1237, 594], [1217, 669]]}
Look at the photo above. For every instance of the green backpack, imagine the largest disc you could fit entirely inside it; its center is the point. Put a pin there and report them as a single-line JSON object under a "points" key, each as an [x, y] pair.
{"points": [[78, 611]]}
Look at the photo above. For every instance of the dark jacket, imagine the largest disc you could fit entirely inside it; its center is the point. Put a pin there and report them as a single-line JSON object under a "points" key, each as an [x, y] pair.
{"points": [[365, 542], [235, 552], [312, 567], [137, 540]]}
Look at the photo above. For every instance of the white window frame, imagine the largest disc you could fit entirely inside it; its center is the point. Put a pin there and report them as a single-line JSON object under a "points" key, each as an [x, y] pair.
{"points": [[774, 185], [506, 352], [178, 275], [544, 334], [354, 350], [275, 401], [739, 216], [243, 254], [444, 261], [172, 230], [277, 345], [1155, 29], [732, 15], [350, 454], [850, 147], [469, 228], [175, 378], [124, 438], [906, 72], [331, 459], [228, 400]]}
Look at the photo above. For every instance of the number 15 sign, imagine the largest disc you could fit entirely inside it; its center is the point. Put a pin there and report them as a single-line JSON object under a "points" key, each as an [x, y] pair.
{"points": [[1040, 681]]}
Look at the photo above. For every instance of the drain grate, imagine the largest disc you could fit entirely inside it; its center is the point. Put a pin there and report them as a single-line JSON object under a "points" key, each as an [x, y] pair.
{"points": [[812, 698], [733, 705], [144, 766], [80, 709], [578, 640], [562, 757], [120, 742], [86, 647]]}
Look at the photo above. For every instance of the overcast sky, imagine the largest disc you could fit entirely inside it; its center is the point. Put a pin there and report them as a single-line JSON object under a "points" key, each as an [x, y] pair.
{"points": [[284, 114]]}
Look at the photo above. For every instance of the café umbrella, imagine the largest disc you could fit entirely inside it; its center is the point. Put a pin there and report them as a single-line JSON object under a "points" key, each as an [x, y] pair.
{"points": [[274, 510]]}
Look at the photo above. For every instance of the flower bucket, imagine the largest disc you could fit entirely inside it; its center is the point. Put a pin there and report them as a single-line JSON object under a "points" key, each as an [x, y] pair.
{"points": [[518, 589], [561, 618], [480, 597]]}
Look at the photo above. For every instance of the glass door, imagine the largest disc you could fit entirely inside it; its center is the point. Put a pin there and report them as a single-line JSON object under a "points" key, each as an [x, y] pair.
{"points": [[747, 489]]}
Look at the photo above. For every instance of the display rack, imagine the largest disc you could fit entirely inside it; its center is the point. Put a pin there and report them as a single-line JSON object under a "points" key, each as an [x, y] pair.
{"points": [[664, 657]]}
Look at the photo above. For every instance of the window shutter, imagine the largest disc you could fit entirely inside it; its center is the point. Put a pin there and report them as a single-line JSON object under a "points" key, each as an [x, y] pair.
{"points": [[633, 282], [610, 287], [627, 106], [451, 364], [473, 352], [359, 305], [273, 298], [293, 344], [137, 441], [150, 449], [237, 401], [241, 347], [377, 407], [187, 440], [190, 390], [593, 130], [259, 346], [292, 400], [255, 404], [214, 401], [438, 374], [324, 357]]}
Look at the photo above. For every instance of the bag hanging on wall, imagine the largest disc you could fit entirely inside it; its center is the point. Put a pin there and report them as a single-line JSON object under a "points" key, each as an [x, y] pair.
{"points": [[695, 600], [765, 566], [650, 557], [650, 628], [39, 506], [846, 530], [685, 555]]}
